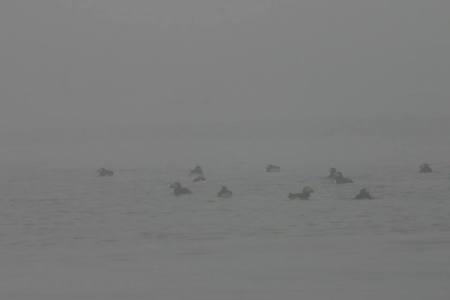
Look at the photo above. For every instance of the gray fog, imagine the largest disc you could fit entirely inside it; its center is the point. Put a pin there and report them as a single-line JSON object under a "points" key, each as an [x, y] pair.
{"points": [[121, 82], [322, 127]]}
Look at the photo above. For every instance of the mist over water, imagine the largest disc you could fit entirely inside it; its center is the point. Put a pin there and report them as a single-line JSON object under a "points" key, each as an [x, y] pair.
{"points": [[321, 142], [104, 82], [72, 65], [150, 89]]}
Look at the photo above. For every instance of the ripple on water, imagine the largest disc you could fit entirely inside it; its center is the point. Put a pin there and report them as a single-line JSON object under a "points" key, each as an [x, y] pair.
{"points": [[75, 209]]}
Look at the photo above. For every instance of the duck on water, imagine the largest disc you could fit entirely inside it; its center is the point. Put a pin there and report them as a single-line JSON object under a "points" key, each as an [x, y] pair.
{"points": [[339, 178], [425, 168], [179, 190], [102, 172], [304, 195], [199, 178], [272, 168], [197, 171], [224, 193], [363, 194], [332, 173]]}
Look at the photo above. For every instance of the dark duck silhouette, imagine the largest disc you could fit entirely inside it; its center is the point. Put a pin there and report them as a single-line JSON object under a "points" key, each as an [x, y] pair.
{"points": [[179, 190], [363, 194], [199, 178], [304, 195], [102, 172], [425, 168], [332, 173], [340, 179], [224, 193], [272, 168], [198, 171]]}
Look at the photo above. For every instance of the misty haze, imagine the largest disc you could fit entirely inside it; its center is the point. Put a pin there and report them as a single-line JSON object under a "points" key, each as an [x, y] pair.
{"points": [[181, 149]]}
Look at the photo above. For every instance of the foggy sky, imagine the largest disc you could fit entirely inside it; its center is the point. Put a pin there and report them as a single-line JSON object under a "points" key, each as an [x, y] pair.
{"points": [[105, 63]]}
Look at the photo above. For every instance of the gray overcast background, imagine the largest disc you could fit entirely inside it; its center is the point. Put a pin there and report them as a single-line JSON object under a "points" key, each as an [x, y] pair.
{"points": [[98, 72]]}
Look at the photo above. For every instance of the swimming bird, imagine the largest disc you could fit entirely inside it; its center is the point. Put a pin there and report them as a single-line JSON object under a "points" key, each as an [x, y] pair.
{"points": [[102, 172], [224, 193], [304, 195], [179, 190], [340, 179], [332, 173], [363, 194], [199, 178], [425, 168], [272, 168], [196, 171]]}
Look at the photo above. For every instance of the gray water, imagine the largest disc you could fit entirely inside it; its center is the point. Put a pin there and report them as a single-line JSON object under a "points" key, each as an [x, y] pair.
{"points": [[51, 207], [67, 234]]}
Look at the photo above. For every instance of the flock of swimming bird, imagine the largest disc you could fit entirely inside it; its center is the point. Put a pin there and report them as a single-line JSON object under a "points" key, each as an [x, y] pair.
{"points": [[199, 176]]}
